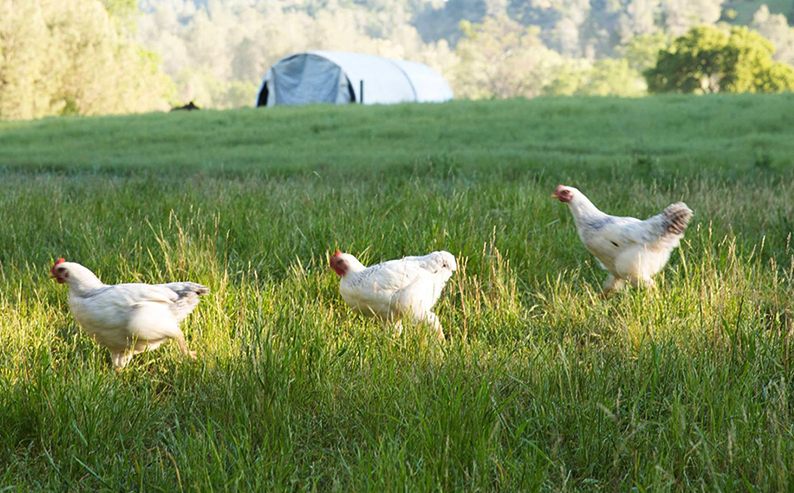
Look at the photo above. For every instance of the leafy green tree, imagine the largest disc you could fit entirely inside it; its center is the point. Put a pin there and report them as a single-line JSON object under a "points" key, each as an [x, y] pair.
{"points": [[501, 59], [26, 79], [569, 78], [612, 77], [69, 57], [605, 77], [123, 12], [707, 60], [641, 52]]}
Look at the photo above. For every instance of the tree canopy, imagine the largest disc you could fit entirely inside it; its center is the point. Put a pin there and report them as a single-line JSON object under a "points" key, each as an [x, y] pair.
{"points": [[60, 57], [708, 59]]}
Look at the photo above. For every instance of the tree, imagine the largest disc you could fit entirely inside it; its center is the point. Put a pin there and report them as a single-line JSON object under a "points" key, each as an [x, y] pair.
{"points": [[639, 17], [123, 12], [752, 66], [69, 57], [569, 78], [606, 77], [681, 15], [775, 28], [612, 77], [443, 21], [501, 59], [708, 59], [695, 62], [641, 52], [26, 80]]}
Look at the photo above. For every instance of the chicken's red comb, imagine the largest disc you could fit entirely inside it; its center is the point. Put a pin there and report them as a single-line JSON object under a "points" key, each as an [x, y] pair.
{"points": [[337, 253], [59, 261]]}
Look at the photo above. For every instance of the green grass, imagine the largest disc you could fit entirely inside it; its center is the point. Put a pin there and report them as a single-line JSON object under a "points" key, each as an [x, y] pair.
{"points": [[540, 386], [672, 131]]}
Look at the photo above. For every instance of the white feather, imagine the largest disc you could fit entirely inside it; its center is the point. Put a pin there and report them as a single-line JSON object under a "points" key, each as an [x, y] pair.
{"points": [[630, 249], [128, 318], [410, 286]]}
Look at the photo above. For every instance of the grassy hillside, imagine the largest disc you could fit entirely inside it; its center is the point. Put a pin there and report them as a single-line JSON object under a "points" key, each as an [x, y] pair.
{"points": [[540, 385]]}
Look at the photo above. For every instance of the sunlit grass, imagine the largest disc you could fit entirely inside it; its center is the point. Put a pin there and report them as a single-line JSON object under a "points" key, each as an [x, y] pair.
{"points": [[540, 386]]}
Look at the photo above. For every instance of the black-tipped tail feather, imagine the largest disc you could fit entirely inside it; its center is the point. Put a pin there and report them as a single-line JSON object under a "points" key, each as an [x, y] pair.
{"points": [[676, 218], [186, 288], [188, 297]]}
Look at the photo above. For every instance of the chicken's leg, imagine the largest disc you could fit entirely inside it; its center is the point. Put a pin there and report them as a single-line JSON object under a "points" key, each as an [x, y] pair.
{"points": [[120, 360], [611, 285], [647, 283], [180, 340], [432, 319]]}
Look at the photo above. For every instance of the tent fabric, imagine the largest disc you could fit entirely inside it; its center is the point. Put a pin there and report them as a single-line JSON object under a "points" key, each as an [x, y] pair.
{"points": [[316, 73], [338, 77], [428, 84]]}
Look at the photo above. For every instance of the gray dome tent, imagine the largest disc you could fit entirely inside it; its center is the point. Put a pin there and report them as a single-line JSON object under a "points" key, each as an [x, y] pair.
{"points": [[338, 78]]}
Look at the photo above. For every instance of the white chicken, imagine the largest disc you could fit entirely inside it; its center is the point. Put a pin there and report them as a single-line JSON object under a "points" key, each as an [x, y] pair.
{"points": [[628, 248], [128, 318], [408, 287]]}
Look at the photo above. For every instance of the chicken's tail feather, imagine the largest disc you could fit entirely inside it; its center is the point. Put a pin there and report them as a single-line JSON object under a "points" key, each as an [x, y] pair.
{"points": [[199, 289], [676, 218], [187, 288], [188, 299]]}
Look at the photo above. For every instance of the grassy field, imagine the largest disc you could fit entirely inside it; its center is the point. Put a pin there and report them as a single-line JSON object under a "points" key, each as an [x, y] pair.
{"points": [[540, 385]]}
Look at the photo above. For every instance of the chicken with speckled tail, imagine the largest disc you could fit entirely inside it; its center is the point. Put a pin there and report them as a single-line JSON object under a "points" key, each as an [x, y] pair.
{"points": [[128, 318], [408, 287], [630, 249]]}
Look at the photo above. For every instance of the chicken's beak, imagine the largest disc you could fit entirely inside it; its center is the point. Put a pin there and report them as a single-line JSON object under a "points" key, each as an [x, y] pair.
{"points": [[555, 196]]}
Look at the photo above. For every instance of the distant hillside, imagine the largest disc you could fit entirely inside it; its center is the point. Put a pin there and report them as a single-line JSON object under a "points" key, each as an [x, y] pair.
{"points": [[745, 9], [436, 20], [217, 51]]}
